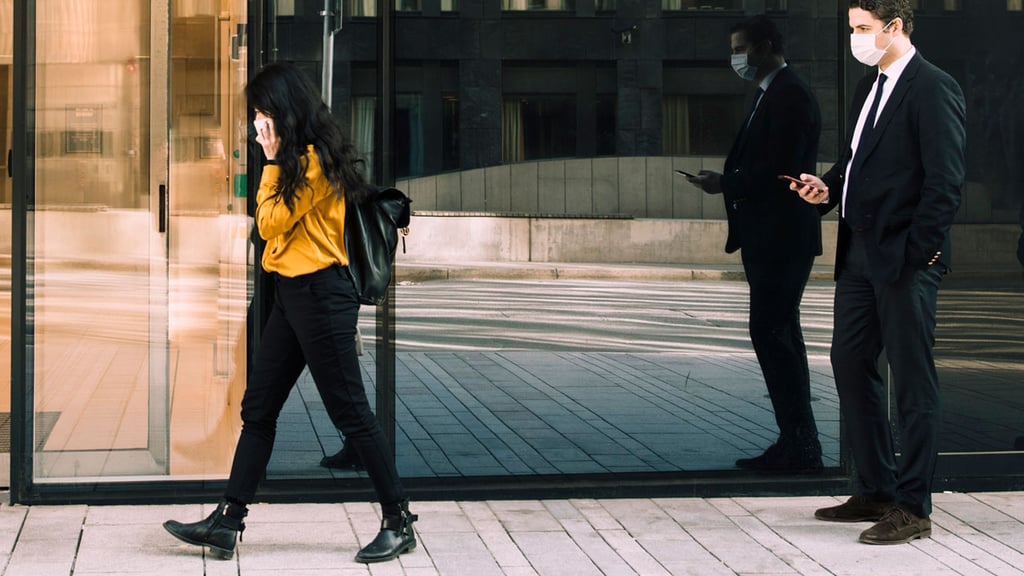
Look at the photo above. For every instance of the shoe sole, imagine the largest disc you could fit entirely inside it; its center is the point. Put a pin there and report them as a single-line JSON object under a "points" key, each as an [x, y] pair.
{"points": [[849, 520], [215, 551], [921, 534], [408, 548]]}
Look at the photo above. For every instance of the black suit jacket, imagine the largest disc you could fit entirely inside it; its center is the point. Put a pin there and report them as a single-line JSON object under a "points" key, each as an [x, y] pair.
{"points": [[908, 189], [765, 216]]}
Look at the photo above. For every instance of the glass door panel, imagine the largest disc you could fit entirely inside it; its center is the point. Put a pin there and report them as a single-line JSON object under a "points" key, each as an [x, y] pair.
{"points": [[139, 260], [97, 245], [6, 104], [209, 252]]}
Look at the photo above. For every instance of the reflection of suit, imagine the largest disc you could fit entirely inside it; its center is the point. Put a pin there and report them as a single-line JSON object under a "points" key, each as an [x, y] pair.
{"points": [[902, 201], [779, 235]]}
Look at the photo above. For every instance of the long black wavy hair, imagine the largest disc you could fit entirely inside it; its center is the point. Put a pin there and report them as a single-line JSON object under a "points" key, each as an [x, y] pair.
{"points": [[286, 94]]}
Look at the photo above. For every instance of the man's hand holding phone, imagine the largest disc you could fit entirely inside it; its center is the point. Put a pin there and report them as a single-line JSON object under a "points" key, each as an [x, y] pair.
{"points": [[706, 180], [811, 188]]}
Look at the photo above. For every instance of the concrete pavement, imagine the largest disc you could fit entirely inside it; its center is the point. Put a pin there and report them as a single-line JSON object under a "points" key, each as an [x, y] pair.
{"points": [[973, 534]]}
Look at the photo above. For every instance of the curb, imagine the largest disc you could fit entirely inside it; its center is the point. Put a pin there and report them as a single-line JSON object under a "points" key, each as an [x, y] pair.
{"points": [[405, 272]]}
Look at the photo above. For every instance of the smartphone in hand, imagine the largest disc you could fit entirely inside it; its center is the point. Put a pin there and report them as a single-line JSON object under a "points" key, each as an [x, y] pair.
{"points": [[796, 181], [687, 174]]}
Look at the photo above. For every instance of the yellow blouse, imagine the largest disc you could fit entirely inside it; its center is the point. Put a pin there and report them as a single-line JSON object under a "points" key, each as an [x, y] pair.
{"points": [[309, 238]]}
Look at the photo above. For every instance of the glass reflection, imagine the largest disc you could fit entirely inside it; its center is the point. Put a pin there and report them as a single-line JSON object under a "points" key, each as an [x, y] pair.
{"points": [[6, 90], [139, 252]]}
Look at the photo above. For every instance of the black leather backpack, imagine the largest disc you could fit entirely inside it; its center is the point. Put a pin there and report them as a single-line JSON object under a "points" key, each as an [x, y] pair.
{"points": [[371, 239]]}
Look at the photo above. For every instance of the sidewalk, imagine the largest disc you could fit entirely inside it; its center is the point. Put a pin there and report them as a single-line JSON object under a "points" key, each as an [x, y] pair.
{"points": [[973, 534]]}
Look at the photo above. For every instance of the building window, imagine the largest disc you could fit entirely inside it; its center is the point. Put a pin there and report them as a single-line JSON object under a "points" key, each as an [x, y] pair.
{"points": [[449, 5], [951, 5], [363, 110], [673, 5], [538, 127], [450, 132], [604, 5], [368, 8], [700, 125], [527, 5], [363, 8], [1015, 5], [408, 135], [605, 132], [408, 132]]}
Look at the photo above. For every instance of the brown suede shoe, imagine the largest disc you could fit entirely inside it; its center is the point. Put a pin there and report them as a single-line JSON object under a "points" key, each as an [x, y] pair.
{"points": [[856, 509], [897, 527]]}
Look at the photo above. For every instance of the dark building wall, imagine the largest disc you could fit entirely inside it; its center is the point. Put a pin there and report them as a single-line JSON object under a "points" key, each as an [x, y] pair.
{"points": [[643, 50]]}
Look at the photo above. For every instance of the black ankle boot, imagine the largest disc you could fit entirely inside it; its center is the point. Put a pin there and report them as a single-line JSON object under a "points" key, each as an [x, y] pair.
{"points": [[218, 530], [396, 537], [345, 459]]}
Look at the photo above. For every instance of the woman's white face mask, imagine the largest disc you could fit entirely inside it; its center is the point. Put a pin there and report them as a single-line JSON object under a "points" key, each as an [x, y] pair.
{"points": [[864, 49]]}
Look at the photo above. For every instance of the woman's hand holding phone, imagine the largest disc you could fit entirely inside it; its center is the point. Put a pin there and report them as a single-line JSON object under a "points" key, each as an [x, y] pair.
{"points": [[266, 136]]}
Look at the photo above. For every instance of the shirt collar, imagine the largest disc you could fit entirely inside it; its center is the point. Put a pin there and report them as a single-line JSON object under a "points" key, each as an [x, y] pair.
{"points": [[771, 76], [896, 68]]}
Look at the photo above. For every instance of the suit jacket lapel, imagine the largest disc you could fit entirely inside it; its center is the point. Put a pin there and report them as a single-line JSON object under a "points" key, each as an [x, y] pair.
{"points": [[899, 91], [750, 126]]}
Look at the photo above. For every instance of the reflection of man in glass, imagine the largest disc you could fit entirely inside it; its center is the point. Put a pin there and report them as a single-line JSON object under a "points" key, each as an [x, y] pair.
{"points": [[777, 233]]}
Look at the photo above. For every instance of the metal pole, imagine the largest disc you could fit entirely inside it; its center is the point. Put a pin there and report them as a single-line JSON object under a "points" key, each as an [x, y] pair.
{"points": [[22, 195], [385, 152], [327, 78]]}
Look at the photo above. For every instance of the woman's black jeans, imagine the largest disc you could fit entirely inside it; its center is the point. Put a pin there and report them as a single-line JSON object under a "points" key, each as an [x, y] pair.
{"points": [[312, 322]]}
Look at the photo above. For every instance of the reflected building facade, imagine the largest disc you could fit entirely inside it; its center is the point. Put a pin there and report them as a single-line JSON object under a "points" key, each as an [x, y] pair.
{"points": [[528, 133]]}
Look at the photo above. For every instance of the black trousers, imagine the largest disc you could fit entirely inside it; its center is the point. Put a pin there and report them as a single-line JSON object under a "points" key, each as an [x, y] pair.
{"points": [[777, 280], [900, 317], [313, 322]]}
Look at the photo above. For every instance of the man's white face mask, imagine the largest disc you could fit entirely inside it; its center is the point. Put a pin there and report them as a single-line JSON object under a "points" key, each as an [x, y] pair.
{"points": [[741, 64], [863, 47]]}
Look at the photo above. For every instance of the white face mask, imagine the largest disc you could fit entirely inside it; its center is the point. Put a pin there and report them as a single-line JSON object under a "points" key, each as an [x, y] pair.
{"points": [[863, 47], [742, 67]]}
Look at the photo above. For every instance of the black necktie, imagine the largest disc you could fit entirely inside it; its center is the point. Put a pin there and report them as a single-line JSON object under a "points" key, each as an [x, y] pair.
{"points": [[868, 128], [753, 108]]}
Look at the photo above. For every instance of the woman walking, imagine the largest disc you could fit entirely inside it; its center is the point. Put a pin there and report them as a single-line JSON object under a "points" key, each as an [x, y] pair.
{"points": [[312, 171]]}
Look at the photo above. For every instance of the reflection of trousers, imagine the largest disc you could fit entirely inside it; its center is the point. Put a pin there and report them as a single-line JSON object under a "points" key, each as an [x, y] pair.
{"points": [[777, 284], [312, 322], [899, 317]]}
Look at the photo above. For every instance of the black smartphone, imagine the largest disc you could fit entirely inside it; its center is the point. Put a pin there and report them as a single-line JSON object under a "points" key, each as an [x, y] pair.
{"points": [[796, 181], [685, 173]]}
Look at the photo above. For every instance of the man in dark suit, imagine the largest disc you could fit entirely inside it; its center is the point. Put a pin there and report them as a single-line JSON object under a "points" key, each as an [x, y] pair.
{"points": [[778, 234], [898, 186]]}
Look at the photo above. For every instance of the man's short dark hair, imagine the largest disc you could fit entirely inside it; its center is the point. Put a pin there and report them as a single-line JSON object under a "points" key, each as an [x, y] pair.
{"points": [[887, 10], [759, 29]]}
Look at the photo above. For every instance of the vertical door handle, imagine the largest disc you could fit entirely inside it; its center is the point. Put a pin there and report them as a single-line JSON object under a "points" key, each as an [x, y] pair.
{"points": [[163, 208]]}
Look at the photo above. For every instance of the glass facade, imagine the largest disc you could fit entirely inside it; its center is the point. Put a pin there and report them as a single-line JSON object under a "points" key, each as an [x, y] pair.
{"points": [[549, 322]]}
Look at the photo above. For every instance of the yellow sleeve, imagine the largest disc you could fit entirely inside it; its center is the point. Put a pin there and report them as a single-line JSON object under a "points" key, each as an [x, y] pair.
{"points": [[273, 217]]}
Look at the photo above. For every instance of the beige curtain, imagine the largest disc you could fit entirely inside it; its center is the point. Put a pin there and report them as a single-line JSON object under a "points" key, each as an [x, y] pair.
{"points": [[70, 32], [6, 31], [675, 126], [512, 146], [514, 5], [364, 8], [363, 109]]}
